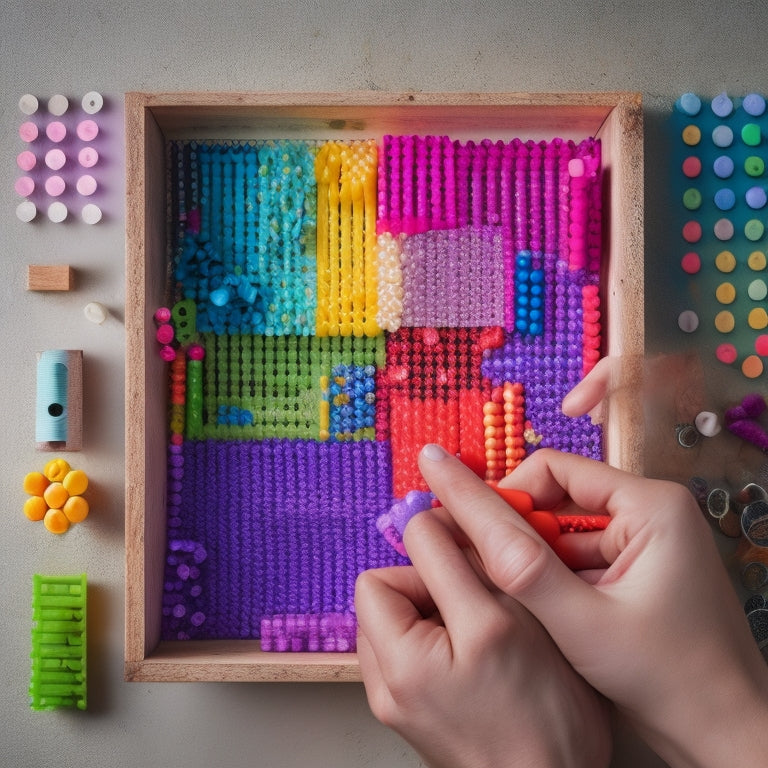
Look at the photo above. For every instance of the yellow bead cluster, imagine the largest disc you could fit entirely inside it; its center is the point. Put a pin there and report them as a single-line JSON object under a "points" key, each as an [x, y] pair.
{"points": [[346, 239], [56, 496]]}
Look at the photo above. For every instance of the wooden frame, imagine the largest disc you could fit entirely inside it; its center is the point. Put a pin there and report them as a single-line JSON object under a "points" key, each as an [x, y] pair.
{"points": [[153, 119]]}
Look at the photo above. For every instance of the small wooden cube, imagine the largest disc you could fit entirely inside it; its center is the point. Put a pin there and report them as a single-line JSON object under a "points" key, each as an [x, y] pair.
{"points": [[55, 277]]}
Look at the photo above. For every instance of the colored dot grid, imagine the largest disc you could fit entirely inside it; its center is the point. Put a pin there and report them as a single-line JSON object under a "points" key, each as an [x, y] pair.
{"points": [[59, 158], [720, 188]]}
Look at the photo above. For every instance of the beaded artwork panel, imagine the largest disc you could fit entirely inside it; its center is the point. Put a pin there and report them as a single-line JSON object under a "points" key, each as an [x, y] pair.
{"points": [[333, 308]]}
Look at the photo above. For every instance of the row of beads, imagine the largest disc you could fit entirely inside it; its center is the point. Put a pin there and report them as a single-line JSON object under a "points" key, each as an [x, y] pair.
{"points": [[504, 422], [346, 239], [297, 632]]}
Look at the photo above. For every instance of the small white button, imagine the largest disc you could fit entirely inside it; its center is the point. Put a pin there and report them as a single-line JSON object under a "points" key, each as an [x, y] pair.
{"points": [[58, 104], [95, 312], [91, 214], [28, 104], [26, 211], [57, 212], [93, 101]]}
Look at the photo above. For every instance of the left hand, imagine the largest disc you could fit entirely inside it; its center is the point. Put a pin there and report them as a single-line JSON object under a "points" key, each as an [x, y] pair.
{"points": [[464, 673]]}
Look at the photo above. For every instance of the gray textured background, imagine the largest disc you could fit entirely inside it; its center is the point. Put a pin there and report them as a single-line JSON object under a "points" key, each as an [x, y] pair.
{"points": [[70, 47]]}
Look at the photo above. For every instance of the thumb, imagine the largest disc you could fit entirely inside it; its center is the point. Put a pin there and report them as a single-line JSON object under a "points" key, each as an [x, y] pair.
{"points": [[515, 558]]}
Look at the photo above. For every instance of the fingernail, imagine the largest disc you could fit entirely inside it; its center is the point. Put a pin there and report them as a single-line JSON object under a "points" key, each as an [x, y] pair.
{"points": [[433, 452]]}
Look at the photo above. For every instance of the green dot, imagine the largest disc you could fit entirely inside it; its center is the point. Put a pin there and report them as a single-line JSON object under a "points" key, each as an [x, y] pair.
{"points": [[754, 166], [754, 229], [750, 134], [692, 199]]}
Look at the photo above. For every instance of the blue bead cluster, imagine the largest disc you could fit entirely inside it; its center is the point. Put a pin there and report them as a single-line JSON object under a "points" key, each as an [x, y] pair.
{"points": [[352, 399], [234, 416], [246, 255], [529, 296]]}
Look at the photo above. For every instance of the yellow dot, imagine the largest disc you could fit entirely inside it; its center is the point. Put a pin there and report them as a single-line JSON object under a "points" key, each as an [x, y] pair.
{"points": [[725, 293], [76, 481], [724, 321], [35, 508], [756, 261], [725, 261], [752, 367], [758, 318], [76, 509], [56, 469], [35, 483], [55, 495], [691, 135], [55, 521]]}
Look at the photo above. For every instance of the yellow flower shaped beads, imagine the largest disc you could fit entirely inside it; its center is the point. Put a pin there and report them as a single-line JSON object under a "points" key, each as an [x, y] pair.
{"points": [[56, 496]]}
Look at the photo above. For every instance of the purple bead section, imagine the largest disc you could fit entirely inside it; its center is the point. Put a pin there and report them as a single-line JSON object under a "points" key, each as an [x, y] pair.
{"points": [[301, 632], [550, 365], [453, 278], [278, 526]]}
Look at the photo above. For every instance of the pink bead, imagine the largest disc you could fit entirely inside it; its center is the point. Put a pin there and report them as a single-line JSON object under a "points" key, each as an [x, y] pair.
{"points": [[56, 131], [88, 157], [55, 159], [162, 315], [28, 131], [54, 186], [165, 333], [196, 352], [24, 186], [26, 160], [86, 185], [168, 354], [87, 130]]}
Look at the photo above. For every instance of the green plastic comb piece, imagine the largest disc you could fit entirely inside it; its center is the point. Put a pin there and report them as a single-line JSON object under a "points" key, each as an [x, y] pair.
{"points": [[58, 679]]}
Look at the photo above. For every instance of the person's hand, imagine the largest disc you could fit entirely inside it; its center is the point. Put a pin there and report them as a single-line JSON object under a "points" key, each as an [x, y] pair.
{"points": [[466, 674], [651, 620]]}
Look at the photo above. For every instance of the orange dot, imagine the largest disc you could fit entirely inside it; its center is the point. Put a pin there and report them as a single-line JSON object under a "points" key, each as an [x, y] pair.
{"points": [[35, 483], [56, 469], [35, 508], [76, 482], [752, 367], [55, 495], [55, 521], [76, 509]]}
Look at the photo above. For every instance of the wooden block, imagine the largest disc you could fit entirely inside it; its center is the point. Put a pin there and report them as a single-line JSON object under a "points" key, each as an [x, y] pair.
{"points": [[59, 407], [56, 277], [154, 119]]}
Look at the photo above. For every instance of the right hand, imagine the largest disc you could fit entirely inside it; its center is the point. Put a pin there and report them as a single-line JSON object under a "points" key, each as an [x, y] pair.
{"points": [[651, 621]]}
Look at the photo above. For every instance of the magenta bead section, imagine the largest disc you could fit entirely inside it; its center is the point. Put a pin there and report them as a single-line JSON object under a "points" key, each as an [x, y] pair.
{"points": [[56, 131], [86, 185], [28, 131], [88, 157], [87, 130], [26, 160]]}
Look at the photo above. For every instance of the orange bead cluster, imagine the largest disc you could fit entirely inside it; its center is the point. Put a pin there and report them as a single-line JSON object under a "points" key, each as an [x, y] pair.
{"points": [[504, 422], [56, 496]]}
